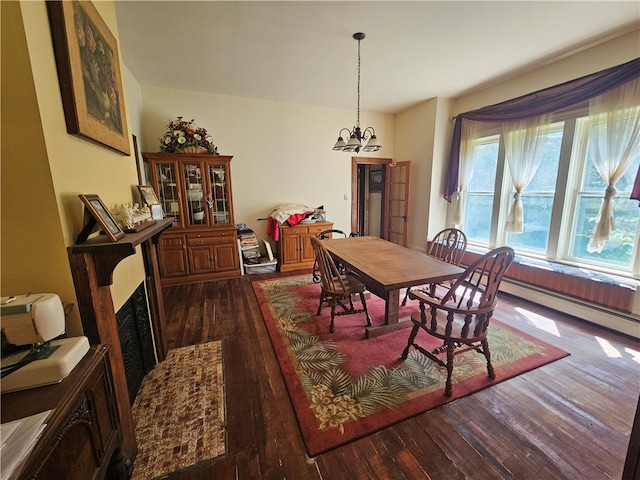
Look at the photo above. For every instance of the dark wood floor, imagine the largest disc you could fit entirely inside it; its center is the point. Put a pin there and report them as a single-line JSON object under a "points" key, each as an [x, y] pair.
{"points": [[570, 419]]}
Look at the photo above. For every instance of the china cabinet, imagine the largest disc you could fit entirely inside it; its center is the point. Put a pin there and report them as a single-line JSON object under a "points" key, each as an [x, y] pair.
{"points": [[195, 192]]}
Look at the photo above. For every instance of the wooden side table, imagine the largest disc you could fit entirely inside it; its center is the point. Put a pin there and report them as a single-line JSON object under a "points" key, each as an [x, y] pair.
{"points": [[82, 438]]}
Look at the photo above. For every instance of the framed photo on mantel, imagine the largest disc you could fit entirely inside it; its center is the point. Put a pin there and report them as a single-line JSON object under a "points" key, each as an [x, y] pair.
{"points": [[97, 216], [88, 67]]}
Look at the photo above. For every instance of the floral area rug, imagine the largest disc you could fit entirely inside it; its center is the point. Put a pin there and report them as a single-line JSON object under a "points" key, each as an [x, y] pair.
{"points": [[343, 386], [179, 412]]}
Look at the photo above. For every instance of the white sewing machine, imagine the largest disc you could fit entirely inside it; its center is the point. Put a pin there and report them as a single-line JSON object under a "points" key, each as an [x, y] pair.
{"points": [[35, 320]]}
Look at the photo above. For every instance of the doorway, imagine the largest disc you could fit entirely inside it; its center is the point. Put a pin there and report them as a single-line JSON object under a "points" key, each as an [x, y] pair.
{"points": [[380, 198]]}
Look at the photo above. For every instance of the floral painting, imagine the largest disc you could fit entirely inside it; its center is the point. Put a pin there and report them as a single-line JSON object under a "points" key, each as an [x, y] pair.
{"points": [[89, 74]]}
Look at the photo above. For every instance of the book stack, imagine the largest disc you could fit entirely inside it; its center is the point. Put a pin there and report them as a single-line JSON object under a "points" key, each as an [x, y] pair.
{"points": [[249, 246]]}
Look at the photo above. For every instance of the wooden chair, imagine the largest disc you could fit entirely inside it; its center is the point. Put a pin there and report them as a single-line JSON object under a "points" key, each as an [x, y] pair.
{"points": [[337, 288], [322, 235], [461, 324], [447, 245]]}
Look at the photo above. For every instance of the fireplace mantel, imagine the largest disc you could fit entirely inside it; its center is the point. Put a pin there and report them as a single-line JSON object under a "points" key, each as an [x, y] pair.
{"points": [[92, 264]]}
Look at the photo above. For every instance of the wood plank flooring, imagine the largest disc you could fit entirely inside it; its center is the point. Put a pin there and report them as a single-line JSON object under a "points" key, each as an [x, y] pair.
{"points": [[570, 419]]}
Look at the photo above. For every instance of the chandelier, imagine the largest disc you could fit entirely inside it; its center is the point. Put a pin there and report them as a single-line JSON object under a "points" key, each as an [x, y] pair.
{"points": [[352, 142]]}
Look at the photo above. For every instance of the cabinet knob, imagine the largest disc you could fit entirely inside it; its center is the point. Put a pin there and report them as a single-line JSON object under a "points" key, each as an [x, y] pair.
{"points": [[199, 242]]}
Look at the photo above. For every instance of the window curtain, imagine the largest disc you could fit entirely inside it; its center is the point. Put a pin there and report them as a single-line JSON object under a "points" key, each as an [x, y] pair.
{"points": [[524, 147], [614, 140], [470, 134], [635, 193], [538, 103]]}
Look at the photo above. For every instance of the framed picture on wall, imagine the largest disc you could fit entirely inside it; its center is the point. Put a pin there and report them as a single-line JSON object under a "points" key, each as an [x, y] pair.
{"points": [[375, 181], [88, 67]]}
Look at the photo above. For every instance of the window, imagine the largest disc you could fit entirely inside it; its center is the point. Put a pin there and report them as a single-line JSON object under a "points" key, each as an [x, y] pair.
{"points": [[567, 186], [480, 193], [537, 198], [620, 249]]}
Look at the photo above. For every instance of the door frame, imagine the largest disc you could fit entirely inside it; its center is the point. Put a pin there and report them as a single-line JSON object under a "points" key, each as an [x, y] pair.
{"points": [[355, 161]]}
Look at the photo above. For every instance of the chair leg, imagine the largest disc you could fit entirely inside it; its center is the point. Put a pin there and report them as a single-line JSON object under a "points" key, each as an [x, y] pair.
{"points": [[321, 300], [412, 337], [487, 354], [448, 389], [406, 296], [333, 314], [366, 311]]}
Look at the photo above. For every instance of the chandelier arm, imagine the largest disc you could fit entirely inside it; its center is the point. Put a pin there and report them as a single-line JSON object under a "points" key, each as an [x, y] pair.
{"points": [[369, 130]]}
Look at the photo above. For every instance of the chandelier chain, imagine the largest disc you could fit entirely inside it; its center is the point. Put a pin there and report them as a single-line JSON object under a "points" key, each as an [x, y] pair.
{"points": [[354, 138], [358, 115]]}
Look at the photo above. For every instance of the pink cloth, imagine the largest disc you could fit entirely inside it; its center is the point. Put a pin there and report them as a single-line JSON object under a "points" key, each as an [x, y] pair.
{"points": [[272, 229], [297, 218]]}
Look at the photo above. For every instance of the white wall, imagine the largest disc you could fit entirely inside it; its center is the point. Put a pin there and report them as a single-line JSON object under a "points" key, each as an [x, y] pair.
{"points": [[281, 151], [44, 168]]}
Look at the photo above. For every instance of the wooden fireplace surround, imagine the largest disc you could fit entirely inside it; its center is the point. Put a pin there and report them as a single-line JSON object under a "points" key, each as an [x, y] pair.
{"points": [[92, 265]]}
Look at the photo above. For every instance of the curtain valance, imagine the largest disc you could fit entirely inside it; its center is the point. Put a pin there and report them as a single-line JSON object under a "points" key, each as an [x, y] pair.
{"points": [[538, 103]]}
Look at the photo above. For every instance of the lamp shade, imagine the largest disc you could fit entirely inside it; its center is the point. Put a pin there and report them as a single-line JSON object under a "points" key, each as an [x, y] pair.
{"points": [[373, 145], [340, 144], [353, 143]]}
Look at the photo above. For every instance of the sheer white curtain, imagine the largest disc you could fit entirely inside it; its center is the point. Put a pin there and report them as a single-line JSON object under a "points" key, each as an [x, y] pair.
{"points": [[614, 136], [470, 133], [524, 147]]}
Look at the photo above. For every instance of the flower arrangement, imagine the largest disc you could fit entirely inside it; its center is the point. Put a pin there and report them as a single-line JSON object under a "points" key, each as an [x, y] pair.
{"points": [[186, 136]]}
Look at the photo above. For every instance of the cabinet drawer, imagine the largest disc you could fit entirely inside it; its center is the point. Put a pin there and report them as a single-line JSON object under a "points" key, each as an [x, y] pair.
{"points": [[297, 230], [193, 241], [167, 242], [316, 229]]}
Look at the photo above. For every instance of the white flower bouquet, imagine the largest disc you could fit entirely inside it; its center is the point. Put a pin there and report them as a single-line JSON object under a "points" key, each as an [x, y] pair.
{"points": [[186, 136]]}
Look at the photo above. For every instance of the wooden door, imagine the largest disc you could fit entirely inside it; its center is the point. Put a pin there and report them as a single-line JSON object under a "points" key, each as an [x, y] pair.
{"points": [[396, 222]]}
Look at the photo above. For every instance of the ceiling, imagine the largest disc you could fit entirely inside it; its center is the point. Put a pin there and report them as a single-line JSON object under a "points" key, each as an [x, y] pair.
{"points": [[303, 51]]}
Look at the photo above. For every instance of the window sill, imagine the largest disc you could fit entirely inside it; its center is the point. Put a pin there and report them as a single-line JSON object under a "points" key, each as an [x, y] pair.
{"points": [[611, 291]]}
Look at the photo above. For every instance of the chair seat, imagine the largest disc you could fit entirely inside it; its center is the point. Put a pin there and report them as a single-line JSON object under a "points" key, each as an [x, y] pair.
{"points": [[456, 325], [351, 284]]}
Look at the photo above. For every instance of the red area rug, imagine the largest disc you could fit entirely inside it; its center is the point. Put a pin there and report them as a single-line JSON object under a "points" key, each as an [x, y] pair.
{"points": [[343, 386]]}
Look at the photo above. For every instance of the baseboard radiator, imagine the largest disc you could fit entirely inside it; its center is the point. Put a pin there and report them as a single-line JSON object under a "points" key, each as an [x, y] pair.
{"points": [[597, 298], [628, 324]]}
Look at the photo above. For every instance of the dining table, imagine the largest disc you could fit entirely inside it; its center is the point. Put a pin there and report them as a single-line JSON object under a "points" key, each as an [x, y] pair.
{"points": [[386, 268]]}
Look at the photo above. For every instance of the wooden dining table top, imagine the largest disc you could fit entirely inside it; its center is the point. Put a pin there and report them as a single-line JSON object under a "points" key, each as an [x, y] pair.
{"points": [[388, 265]]}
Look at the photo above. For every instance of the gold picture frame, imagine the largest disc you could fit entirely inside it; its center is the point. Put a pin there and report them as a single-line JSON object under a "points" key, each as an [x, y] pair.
{"points": [[99, 214], [148, 195], [88, 67]]}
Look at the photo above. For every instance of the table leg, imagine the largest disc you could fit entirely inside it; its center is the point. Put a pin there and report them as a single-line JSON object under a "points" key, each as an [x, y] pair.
{"points": [[391, 305], [391, 320]]}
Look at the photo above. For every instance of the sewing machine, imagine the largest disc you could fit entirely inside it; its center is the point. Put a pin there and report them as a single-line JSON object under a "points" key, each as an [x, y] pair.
{"points": [[34, 321]]}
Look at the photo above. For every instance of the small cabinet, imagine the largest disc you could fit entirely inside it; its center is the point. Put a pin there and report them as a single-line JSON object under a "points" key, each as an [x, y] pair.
{"points": [[195, 191], [82, 438], [294, 246]]}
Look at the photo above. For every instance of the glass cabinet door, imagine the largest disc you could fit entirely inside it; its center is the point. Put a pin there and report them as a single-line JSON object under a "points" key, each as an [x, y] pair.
{"points": [[218, 198], [168, 193], [195, 189]]}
